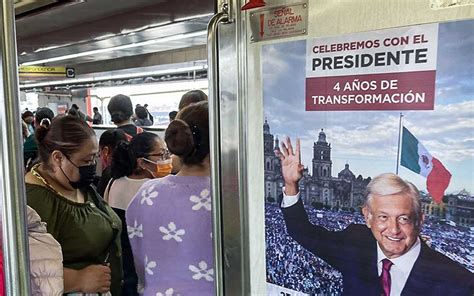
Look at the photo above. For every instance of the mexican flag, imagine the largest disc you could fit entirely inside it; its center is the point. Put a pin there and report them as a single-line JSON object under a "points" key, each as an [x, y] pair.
{"points": [[416, 158]]}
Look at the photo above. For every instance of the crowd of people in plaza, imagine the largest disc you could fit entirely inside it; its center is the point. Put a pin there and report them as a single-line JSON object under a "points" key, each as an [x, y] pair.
{"points": [[87, 234], [289, 265], [456, 242]]}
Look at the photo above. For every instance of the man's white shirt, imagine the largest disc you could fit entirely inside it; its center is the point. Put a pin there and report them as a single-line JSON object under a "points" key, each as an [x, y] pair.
{"points": [[402, 265], [289, 200]]}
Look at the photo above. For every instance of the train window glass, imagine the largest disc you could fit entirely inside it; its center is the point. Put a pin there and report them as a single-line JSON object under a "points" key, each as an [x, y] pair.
{"points": [[161, 98], [29, 100]]}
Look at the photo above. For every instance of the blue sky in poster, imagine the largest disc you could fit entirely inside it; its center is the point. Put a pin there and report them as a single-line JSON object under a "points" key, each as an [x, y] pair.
{"points": [[367, 140]]}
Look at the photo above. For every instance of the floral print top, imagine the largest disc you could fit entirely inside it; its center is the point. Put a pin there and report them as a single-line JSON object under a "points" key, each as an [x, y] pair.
{"points": [[169, 224]]}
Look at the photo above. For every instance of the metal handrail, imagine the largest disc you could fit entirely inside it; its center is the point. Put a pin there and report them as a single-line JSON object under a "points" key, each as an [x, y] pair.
{"points": [[215, 154], [16, 256]]}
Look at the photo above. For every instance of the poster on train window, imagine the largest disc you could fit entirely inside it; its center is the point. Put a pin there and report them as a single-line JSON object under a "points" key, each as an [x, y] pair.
{"points": [[369, 107]]}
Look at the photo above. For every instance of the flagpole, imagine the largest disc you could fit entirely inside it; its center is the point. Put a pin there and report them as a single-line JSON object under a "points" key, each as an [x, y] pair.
{"points": [[399, 140]]}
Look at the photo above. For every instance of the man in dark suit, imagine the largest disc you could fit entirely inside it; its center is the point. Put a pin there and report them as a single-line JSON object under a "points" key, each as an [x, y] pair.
{"points": [[385, 257]]}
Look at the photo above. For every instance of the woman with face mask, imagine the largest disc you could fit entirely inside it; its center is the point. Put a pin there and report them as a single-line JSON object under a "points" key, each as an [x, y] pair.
{"points": [[107, 143], [58, 189], [169, 220], [133, 163]]}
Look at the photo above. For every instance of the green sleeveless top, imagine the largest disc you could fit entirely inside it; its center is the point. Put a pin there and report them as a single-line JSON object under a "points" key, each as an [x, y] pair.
{"points": [[89, 232]]}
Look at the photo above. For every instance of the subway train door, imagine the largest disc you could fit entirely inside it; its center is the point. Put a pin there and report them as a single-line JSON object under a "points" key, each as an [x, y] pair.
{"points": [[237, 147], [282, 68]]}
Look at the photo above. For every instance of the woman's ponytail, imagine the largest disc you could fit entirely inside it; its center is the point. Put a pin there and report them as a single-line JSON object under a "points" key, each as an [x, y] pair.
{"points": [[121, 160]]}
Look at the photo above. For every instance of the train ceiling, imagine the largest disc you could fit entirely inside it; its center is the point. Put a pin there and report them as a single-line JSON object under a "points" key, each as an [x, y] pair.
{"points": [[87, 31]]}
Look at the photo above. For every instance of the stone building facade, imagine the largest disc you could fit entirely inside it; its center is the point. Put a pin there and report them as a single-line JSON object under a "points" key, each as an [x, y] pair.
{"points": [[320, 186]]}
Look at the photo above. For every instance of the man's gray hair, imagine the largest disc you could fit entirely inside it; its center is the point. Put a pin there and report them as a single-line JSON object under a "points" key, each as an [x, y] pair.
{"points": [[390, 184]]}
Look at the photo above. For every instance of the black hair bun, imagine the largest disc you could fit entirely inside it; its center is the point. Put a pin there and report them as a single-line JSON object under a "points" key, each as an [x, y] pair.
{"points": [[119, 117], [179, 138], [41, 132]]}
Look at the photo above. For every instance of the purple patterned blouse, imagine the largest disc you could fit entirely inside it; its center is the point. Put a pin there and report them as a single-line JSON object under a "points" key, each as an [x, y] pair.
{"points": [[169, 224]]}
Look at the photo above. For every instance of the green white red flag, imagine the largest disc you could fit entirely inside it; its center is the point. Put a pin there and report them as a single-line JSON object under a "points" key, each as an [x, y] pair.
{"points": [[416, 158]]}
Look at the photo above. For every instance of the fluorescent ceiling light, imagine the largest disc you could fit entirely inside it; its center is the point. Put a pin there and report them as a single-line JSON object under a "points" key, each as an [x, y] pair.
{"points": [[120, 47], [145, 28], [52, 47], [114, 77], [188, 18], [155, 26]]}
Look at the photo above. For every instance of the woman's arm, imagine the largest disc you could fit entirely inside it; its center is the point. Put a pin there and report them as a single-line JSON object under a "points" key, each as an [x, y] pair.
{"points": [[91, 279]]}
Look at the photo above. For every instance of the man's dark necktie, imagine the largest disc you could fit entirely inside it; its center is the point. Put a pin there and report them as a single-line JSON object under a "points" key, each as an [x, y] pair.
{"points": [[385, 280]]}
